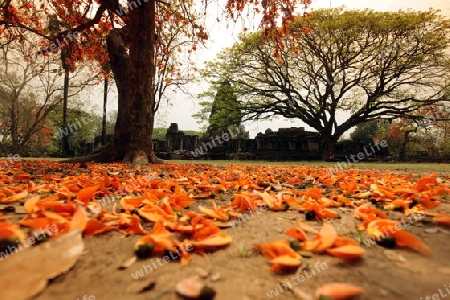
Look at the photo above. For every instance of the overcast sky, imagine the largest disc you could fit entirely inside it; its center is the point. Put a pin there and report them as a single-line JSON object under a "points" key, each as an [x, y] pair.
{"points": [[222, 36]]}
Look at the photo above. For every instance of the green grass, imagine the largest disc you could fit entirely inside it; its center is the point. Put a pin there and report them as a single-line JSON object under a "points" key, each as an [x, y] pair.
{"points": [[395, 166]]}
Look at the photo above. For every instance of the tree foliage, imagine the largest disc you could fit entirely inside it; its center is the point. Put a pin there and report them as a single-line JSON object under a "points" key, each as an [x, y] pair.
{"points": [[372, 64], [223, 111], [365, 132]]}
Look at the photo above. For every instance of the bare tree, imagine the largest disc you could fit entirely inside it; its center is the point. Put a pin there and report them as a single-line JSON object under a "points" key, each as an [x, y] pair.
{"points": [[31, 89]]}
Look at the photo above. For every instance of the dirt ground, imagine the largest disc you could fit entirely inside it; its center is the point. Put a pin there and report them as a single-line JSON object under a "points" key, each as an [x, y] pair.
{"points": [[240, 273]]}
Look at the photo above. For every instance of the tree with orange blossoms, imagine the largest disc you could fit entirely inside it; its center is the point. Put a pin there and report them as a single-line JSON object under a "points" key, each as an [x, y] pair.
{"points": [[131, 39], [427, 132]]}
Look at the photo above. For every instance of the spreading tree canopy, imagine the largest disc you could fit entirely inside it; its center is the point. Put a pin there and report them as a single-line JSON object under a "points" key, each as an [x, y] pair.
{"points": [[132, 35], [371, 64]]}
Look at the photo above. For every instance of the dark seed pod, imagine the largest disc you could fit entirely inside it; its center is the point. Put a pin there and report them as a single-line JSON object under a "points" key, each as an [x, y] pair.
{"points": [[43, 237], [295, 245], [387, 242], [310, 215], [7, 244], [144, 250], [413, 203]]}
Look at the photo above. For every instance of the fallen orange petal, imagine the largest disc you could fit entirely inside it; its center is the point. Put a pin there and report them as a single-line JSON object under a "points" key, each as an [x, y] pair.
{"points": [[216, 213], [306, 227], [9, 230], [406, 239], [284, 263], [79, 220], [217, 240], [328, 236], [347, 252], [15, 197], [86, 194], [130, 225], [338, 291], [30, 204], [442, 219], [296, 233], [95, 227], [344, 241]]}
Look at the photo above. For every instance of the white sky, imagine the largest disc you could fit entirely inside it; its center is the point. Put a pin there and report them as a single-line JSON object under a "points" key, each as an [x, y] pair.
{"points": [[222, 36]]}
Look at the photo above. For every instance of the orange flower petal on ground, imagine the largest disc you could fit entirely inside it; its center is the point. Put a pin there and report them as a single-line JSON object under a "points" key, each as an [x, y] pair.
{"points": [[296, 233], [348, 252], [159, 228], [313, 193], [55, 216], [30, 204], [160, 237], [306, 227], [161, 243], [406, 239], [183, 229], [9, 230], [216, 240], [442, 219], [186, 252], [85, 195], [154, 213], [344, 241], [94, 227], [15, 197], [374, 212], [79, 220], [215, 213], [180, 201], [338, 291], [129, 203], [328, 236], [130, 225], [244, 202], [274, 249], [281, 255], [381, 228], [311, 245], [284, 263], [424, 183], [42, 222]]}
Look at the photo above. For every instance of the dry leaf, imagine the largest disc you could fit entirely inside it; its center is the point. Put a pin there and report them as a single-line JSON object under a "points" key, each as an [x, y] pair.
{"points": [[26, 273]]}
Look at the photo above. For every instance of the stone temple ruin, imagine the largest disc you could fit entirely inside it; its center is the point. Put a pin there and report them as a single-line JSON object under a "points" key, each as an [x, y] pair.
{"points": [[285, 144], [290, 144]]}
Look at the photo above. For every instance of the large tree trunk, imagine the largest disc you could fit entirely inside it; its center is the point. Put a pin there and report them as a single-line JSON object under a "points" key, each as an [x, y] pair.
{"points": [[328, 146], [134, 73], [402, 152]]}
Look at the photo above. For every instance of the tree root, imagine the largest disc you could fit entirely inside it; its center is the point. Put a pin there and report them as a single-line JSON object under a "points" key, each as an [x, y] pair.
{"points": [[108, 153]]}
